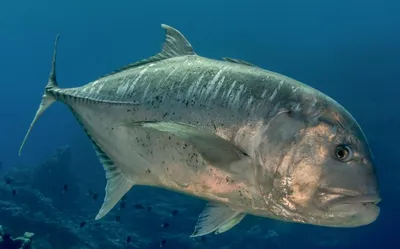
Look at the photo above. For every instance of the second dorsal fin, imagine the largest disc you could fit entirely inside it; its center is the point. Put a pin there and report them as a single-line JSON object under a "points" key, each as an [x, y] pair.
{"points": [[175, 45]]}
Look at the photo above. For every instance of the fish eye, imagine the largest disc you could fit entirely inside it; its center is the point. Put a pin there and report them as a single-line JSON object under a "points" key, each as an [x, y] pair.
{"points": [[343, 153]]}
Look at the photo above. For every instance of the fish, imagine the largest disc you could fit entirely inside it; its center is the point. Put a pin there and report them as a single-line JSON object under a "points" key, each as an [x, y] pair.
{"points": [[244, 139], [165, 225], [14, 192], [65, 188], [128, 239], [149, 208], [163, 242], [174, 212], [92, 194], [118, 218], [138, 206], [82, 224], [8, 181], [122, 204]]}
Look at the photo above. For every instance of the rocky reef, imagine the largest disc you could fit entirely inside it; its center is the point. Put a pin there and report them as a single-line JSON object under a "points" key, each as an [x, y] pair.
{"points": [[8, 242]]}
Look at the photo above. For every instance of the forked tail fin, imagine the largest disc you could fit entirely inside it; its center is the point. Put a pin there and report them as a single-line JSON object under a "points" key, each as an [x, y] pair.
{"points": [[47, 99]]}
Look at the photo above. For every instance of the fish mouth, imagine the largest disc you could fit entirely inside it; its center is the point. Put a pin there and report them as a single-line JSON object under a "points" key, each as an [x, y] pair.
{"points": [[372, 199]]}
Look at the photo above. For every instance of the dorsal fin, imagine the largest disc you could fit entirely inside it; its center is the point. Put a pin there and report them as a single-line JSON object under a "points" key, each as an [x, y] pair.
{"points": [[175, 45], [238, 61]]}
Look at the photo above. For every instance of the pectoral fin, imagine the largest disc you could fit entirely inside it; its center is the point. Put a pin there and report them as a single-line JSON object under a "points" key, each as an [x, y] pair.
{"points": [[214, 149], [216, 218]]}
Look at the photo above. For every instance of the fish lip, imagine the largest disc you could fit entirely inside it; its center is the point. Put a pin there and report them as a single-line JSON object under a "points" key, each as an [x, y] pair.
{"points": [[371, 199]]}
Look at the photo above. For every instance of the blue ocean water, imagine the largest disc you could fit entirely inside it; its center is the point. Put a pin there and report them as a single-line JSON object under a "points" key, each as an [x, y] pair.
{"points": [[349, 50]]}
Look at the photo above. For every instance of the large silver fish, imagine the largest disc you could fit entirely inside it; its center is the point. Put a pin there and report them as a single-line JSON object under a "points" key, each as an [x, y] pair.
{"points": [[247, 140]]}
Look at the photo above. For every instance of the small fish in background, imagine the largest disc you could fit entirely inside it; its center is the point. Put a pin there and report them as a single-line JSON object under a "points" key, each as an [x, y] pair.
{"points": [[149, 208], [203, 238], [174, 212], [82, 224], [14, 192], [138, 206], [122, 204], [128, 239], [93, 195], [163, 242], [165, 225], [65, 188], [118, 218], [8, 181]]}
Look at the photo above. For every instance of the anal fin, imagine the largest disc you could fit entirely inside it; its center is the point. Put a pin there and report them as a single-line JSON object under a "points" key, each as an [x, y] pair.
{"points": [[216, 218], [117, 185]]}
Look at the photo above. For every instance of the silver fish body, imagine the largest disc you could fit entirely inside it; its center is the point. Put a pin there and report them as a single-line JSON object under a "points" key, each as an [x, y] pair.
{"points": [[248, 140]]}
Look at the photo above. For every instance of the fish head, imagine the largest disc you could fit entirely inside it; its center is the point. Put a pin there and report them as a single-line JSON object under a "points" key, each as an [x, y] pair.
{"points": [[320, 172], [348, 191]]}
